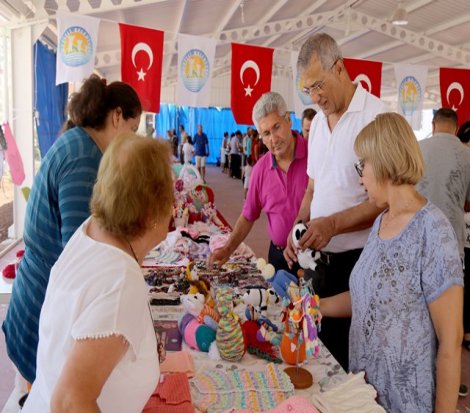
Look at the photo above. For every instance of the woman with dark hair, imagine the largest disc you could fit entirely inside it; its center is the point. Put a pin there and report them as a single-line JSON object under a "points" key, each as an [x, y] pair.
{"points": [[59, 203]]}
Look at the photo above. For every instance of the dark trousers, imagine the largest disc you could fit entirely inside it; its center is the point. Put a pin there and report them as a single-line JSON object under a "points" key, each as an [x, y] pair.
{"points": [[331, 277], [235, 166], [466, 297], [276, 258]]}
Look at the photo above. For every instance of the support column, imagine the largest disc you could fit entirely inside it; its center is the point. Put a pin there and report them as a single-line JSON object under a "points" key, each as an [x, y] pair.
{"points": [[21, 115]]}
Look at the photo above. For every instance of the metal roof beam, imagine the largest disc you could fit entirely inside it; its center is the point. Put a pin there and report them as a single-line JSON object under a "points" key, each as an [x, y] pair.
{"points": [[176, 30], [309, 10], [420, 41]]}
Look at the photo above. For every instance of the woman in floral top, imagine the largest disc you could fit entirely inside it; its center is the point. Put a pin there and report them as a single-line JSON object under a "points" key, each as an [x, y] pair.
{"points": [[406, 292]]}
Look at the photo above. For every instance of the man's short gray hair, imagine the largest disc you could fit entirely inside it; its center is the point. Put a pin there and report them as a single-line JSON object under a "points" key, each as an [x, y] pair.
{"points": [[321, 45], [268, 103]]}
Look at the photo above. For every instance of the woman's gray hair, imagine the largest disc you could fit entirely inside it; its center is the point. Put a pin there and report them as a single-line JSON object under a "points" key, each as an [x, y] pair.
{"points": [[268, 103], [321, 45]]}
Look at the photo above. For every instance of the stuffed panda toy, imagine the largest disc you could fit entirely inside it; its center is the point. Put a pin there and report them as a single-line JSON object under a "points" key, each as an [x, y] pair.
{"points": [[307, 257]]}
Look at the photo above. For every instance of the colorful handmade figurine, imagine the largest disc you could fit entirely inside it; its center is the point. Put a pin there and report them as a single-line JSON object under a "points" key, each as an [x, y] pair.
{"points": [[229, 337], [257, 299], [311, 323], [198, 284], [196, 305], [293, 343], [303, 320], [198, 333]]}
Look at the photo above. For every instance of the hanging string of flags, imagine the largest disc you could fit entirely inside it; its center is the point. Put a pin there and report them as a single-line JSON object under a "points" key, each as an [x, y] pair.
{"points": [[141, 66]]}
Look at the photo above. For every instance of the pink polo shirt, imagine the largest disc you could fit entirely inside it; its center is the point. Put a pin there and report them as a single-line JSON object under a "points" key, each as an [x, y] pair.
{"points": [[278, 193]]}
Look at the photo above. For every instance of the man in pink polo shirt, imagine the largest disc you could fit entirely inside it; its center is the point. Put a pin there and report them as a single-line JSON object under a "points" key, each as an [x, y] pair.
{"points": [[277, 183]]}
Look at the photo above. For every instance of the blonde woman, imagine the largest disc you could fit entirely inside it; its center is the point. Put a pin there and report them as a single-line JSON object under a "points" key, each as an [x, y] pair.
{"points": [[97, 348], [406, 288]]}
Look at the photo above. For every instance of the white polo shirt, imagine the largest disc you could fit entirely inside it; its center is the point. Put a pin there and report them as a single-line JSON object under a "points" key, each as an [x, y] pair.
{"points": [[331, 159]]}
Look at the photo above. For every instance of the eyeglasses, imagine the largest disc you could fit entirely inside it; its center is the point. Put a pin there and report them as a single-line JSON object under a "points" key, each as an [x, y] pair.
{"points": [[317, 87], [359, 165]]}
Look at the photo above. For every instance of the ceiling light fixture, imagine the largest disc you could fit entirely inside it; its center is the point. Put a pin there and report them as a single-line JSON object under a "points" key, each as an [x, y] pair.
{"points": [[242, 11], [400, 15]]}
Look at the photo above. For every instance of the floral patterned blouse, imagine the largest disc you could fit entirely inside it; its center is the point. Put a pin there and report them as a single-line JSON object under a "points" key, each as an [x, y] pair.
{"points": [[392, 336]]}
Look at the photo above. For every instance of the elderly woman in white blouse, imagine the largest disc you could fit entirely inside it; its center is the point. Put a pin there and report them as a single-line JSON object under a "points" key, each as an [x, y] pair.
{"points": [[97, 347]]}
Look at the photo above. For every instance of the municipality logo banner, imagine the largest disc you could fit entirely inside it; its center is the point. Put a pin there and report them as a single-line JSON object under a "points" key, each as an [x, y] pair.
{"points": [[195, 64], [411, 84], [76, 49]]}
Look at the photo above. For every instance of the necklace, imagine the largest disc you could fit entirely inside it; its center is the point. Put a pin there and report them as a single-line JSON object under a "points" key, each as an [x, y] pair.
{"points": [[389, 216], [132, 250]]}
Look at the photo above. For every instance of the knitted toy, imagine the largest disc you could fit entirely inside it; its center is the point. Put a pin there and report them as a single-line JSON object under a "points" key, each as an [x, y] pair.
{"points": [[307, 257], [293, 344], [281, 281], [196, 305], [198, 324], [257, 299], [267, 270], [311, 323], [262, 348], [196, 335], [229, 337], [198, 284]]}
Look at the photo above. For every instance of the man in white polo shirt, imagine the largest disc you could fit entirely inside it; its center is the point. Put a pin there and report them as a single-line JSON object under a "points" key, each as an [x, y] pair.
{"points": [[335, 206]]}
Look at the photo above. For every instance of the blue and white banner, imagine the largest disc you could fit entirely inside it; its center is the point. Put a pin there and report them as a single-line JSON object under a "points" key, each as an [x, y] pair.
{"points": [[195, 64], [77, 39], [301, 100], [411, 85]]}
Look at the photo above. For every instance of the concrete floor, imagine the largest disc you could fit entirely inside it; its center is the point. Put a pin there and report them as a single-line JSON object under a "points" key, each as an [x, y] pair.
{"points": [[229, 200]]}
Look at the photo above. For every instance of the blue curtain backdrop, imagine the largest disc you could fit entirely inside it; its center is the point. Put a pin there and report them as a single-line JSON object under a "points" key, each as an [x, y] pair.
{"points": [[49, 100], [214, 121]]}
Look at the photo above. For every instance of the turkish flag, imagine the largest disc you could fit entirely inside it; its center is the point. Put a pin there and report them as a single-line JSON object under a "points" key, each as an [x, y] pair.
{"points": [[455, 91], [367, 72], [251, 77], [141, 63]]}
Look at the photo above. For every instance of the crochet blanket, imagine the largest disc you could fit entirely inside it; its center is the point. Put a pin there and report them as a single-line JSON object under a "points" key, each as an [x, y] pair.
{"points": [[218, 390]]}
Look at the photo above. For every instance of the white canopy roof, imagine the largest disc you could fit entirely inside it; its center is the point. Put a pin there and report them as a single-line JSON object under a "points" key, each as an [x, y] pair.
{"points": [[438, 33]]}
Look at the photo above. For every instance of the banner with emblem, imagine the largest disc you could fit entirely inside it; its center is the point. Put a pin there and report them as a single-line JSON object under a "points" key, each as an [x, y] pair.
{"points": [[195, 64], [411, 85], [302, 101], [251, 77], [367, 72], [141, 63], [455, 91], [77, 38]]}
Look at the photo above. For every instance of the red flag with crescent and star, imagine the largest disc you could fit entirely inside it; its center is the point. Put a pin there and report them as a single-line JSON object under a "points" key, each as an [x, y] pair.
{"points": [[141, 63], [455, 91], [251, 77], [367, 72]]}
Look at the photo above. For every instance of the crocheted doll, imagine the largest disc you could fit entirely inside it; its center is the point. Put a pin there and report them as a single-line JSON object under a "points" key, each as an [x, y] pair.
{"points": [[308, 257], [257, 300], [198, 324], [311, 324], [229, 338]]}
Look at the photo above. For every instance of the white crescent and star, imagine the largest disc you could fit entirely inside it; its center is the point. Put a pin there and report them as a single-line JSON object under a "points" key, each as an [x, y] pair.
{"points": [[364, 78], [457, 86], [142, 47], [249, 64]]}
